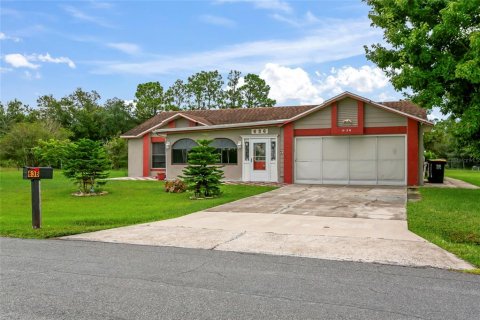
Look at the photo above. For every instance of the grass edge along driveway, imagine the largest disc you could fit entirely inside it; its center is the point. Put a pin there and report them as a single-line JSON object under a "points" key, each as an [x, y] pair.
{"points": [[450, 217], [128, 202]]}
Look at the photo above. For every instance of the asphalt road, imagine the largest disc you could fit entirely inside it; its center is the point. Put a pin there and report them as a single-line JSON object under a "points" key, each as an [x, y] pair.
{"points": [[57, 279]]}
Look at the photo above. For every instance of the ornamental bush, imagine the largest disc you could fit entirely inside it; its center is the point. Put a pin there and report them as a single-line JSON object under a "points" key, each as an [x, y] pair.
{"points": [[202, 176], [175, 186], [86, 163]]}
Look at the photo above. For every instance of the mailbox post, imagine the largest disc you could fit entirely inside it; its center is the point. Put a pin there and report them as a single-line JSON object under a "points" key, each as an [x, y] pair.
{"points": [[35, 174]]}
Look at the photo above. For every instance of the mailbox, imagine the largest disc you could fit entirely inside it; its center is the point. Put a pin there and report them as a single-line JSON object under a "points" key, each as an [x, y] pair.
{"points": [[37, 173]]}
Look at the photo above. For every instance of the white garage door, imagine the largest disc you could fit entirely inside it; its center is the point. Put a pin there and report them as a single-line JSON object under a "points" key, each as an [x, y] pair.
{"points": [[364, 160]]}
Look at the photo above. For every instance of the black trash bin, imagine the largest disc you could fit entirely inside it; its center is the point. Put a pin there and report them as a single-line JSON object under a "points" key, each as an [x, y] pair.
{"points": [[436, 170]]}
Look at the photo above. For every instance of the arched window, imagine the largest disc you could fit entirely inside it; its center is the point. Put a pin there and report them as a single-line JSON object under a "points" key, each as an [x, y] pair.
{"points": [[227, 150], [180, 150]]}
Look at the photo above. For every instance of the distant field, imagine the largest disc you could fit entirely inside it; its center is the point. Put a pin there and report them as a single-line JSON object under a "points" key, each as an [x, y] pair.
{"points": [[128, 202]]}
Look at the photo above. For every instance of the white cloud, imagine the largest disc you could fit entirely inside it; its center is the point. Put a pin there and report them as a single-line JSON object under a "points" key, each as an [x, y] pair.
{"points": [[80, 15], [364, 79], [5, 70], [295, 84], [274, 5], [332, 41], [308, 19], [290, 84], [32, 76], [217, 21], [125, 47], [18, 60], [101, 4], [48, 58], [3, 36]]}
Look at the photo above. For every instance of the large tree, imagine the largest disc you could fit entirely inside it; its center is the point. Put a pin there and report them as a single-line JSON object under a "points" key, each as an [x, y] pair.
{"points": [[205, 90], [233, 93], [177, 96], [255, 92], [150, 100], [433, 50], [19, 143]]}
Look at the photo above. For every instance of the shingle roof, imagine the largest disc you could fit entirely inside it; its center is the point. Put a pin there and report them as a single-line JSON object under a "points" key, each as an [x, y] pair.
{"points": [[407, 106], [224, 116], [233, 116]]}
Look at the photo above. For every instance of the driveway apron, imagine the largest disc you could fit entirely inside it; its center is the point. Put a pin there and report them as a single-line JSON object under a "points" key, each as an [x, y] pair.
{"points": [[329, 222]]}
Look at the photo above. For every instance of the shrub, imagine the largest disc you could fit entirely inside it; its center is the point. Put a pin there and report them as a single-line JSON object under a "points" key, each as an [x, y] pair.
{"points": [[175, 186], [86, 164], [201, 175]]}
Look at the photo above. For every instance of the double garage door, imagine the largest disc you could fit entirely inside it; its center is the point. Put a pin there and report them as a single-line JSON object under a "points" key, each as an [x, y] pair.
{"points": [[362, 160]]}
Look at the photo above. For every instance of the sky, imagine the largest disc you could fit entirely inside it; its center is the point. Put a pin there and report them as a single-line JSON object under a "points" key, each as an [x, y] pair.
{"points": [[307, 51]]}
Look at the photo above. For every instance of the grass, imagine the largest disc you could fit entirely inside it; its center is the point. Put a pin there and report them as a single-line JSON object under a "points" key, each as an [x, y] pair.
{"points": [[450, 218], [470, 176], [128, 202]]}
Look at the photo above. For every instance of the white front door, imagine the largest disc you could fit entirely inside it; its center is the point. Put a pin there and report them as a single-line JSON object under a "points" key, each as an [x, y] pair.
{"points": [[259, 159]]}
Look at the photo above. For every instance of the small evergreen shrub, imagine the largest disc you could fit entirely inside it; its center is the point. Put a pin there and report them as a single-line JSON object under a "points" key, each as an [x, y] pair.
{"points": [[202, 176]]}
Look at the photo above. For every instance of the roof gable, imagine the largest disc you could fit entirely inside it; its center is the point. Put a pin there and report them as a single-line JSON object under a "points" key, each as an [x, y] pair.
{"points": [[264, 115]]}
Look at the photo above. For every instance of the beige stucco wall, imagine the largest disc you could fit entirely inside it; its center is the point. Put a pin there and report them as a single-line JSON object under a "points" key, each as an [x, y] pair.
{"points": [[317, 120], [135, 157], [376, 117], [373, 117], [231, 171], [182, 123]]}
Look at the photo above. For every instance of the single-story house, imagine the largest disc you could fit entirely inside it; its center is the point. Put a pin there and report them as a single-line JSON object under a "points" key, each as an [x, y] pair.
{"points": [[348, 139]]}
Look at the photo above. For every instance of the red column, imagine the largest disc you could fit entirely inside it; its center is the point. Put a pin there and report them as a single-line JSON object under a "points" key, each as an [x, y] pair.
{"points": [[412, 153], [334, 116], [288, 153], [146, 155], [360, 116]]}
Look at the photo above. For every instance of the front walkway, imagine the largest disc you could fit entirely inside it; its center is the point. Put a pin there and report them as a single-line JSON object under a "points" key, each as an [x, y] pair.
{"points": [[338, 223]]}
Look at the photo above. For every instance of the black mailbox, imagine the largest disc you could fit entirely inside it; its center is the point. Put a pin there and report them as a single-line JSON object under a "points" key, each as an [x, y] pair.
{"points": [[36, 173]]}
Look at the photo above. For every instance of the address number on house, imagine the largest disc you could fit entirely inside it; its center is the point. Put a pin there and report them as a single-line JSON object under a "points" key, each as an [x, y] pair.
{"points": [[260, 131]]}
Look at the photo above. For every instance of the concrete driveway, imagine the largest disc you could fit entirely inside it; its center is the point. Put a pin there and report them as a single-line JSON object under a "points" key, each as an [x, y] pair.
{"points": [[338, 223]]}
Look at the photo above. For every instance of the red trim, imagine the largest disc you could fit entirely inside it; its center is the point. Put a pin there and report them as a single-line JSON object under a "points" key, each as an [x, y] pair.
{"points": [[334, 115], [158, 139], [313, 132], [171, 124], [192, 123], [386, 130], [146, 155], [412, 153], [288, 133], [360, 116], [158, 169]]}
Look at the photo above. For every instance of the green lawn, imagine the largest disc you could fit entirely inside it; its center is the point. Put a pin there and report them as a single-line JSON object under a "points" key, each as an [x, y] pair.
{"points": [[128, 202], [450, 218], [470, 176]]}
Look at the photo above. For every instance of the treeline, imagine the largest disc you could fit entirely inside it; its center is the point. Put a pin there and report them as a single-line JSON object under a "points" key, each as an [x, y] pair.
{"points": [[36, 135]]}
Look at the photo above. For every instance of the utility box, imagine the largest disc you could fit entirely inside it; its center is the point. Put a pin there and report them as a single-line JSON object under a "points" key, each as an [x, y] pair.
{"points": [[36, 173], [436, 170]]}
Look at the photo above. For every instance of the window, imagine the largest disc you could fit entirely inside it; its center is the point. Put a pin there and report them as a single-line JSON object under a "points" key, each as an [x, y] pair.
{"points": [[158, 155], [247, 150], [180, 150], [227, 150], [273, 150]]}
